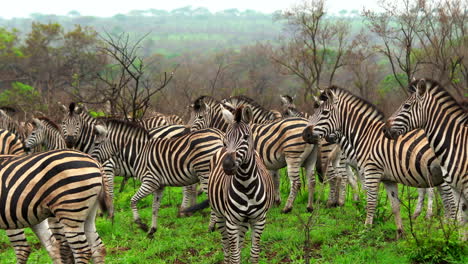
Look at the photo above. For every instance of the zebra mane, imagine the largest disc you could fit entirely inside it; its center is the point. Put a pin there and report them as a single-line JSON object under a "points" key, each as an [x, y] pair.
{"points": [[210, 101], [336, 89], [71, 108], [8, 110], [49, 122], [253, 104], [435, 87], [130, 125]]}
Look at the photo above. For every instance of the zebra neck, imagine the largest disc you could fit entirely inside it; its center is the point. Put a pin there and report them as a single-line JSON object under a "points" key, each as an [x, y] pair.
{"points": [[85, 141], [247, 170], [446, 128]]}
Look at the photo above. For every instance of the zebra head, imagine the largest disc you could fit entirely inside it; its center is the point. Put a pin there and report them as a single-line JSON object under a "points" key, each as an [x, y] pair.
{"points": [[101, 144], [237, 141], [200, 115], [410, 115], [72, 124], [324, 122], [37, 136]]}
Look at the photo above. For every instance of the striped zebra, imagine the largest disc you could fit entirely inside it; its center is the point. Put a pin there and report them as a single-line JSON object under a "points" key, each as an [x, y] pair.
{"points": [[46, 133], [330, 161], [261, 115], [78, 129], [8, 123], [240, 190], [279, 143], [65, 184], [158, 120], [445, 123], [357, 125], [157, 162]]}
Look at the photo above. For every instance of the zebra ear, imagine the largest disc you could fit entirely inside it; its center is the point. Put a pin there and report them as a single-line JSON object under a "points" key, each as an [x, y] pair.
{"points": [[247, 114], [100, 130], [332, 95], [285, 99], [228, 107], [36, 122], [421, 87], [227, 115]]}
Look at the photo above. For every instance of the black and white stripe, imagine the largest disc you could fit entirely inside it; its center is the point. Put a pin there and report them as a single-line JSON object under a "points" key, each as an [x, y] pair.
{"points": [[278, 142], [45, 134], [357, 125], [445, 123], [240, 190], [65, 184], [157, 162]]}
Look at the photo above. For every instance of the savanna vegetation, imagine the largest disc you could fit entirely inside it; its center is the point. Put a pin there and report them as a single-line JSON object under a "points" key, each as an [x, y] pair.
{"points": [[131, 64]]}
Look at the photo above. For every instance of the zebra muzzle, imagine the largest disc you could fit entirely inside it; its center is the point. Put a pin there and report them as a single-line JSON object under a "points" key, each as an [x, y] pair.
{"points": [[229, 164], [70, 141]]}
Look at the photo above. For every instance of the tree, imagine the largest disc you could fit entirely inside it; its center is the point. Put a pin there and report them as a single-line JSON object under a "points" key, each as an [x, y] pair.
{"points": [[317, 48], [128, 82]]}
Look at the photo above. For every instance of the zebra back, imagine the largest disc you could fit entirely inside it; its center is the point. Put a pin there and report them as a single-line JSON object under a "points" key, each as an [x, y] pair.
{"points": [[260, 114]]}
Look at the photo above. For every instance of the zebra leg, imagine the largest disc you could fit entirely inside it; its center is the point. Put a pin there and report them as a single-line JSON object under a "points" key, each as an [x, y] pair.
{"points": [[392, 192], [332, 179], [242, 230], [213, 221], [430, 199], [221, 222], [57, 231], [310, 174], [293, 174], [108, 168], [372, 188], [147, 187], [420, 203], [20, 244], [76, 238], [343, 184], [257, 230], [188, 199], [98, 251], [123, 183], [448, 200], [462, 210], [353, 182], [156, 204], [276, 181], [49, 242], [233, 237]]}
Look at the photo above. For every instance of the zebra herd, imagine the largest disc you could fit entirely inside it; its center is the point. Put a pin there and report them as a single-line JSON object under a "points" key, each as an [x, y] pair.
{"points": [[233, 148]]}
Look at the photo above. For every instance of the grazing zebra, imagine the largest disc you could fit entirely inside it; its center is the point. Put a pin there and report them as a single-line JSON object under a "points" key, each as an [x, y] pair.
{"points": [[279, 143], [78, 129], [157, 162], [240, 190], [65, 184], [357, 124], [329, 158], [45, 133], [445, 123]]}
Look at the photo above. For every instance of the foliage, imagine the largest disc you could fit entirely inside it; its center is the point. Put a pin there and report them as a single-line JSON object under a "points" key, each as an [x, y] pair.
{"points": [[390, 83], [22, 96]]}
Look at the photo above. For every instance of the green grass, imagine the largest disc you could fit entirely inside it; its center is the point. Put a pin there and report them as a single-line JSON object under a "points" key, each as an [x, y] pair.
{"points": [[338, 235]]}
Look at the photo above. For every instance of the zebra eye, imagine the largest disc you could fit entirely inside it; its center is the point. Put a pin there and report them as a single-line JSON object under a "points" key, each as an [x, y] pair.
{"points": [[406, 106], [325, 112], [246, 137]]}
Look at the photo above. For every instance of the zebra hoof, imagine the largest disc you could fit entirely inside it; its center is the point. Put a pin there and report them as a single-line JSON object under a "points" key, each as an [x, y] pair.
{"points": [[286, 210], [151, 233], [310, 209], [141, 225]]}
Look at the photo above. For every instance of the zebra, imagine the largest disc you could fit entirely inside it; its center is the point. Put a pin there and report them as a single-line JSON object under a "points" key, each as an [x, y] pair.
{"points": [[240, 189], [260, 114], [329, 158], [279, 143], [46, 133], [78, 129], [157, 162], [159, 120], [445, 123], [357, 125], [6, 122], [65, 184]]}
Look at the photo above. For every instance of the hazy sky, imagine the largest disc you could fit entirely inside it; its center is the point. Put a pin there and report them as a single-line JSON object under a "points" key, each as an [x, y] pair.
{"points": [[22, 8]]}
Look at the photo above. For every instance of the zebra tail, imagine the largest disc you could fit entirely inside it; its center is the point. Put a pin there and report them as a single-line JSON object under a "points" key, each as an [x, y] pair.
{"points": [[318, 165], [197, 207], [106, 202]]}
